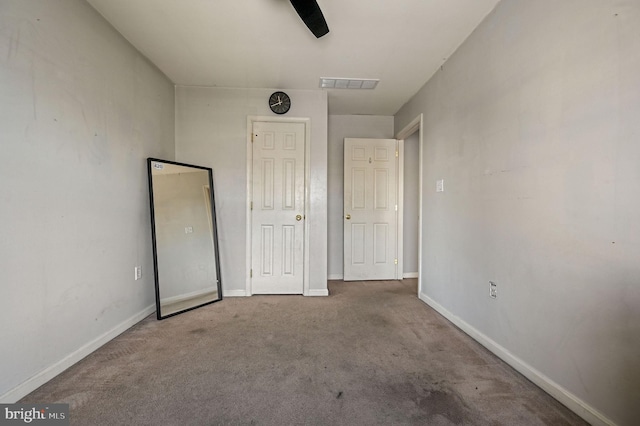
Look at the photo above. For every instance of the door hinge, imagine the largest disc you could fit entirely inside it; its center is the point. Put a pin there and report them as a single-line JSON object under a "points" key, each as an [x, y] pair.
{"points": [[395, 261], [396, 153], [250, 273], [252, 137], [251, 207], [396, 207]]}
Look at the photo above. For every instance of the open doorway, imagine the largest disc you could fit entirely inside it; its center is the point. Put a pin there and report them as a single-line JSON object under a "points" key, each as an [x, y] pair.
{"points": [[411, 206], [411, 146]]}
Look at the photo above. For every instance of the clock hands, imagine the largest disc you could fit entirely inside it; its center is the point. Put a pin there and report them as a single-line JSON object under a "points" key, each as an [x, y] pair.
{"points": [[277, 103]]}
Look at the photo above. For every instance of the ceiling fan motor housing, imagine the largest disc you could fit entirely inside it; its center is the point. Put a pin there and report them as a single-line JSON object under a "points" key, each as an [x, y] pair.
{"points": [[312, 16]]}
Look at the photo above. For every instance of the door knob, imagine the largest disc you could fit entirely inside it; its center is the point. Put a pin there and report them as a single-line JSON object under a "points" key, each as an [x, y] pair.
{"points": [[298, 218], [348, 217]]}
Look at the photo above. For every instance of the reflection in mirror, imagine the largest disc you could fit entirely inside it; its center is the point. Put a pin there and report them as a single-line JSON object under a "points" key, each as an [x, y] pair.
{"points": [[185, 244]]}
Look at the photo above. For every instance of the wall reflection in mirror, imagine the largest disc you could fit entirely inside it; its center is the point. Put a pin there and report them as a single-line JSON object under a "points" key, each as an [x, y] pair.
{"points": [[185, 244]]}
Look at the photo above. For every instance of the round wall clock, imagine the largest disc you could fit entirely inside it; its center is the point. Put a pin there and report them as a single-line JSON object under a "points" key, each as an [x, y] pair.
{"points": [[279, 102]]}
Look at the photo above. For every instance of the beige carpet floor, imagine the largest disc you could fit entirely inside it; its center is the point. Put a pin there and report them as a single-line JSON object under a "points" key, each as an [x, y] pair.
{"points": [[371, 353]]}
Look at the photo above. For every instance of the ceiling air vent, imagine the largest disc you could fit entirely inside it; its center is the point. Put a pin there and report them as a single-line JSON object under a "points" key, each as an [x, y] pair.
{"points": [[348, 83]]}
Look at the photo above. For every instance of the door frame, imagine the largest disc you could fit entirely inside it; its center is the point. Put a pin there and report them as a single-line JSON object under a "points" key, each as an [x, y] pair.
{"points": [[307, 162], [415, 125]]}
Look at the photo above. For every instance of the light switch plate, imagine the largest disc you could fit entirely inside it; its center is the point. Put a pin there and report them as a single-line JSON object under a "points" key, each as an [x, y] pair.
{"points": [[440, 185]]}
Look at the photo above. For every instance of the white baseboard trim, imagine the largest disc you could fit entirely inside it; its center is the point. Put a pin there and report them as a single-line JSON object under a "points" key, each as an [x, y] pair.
{"points": [[575, 404], [404, 275], [320, 292], [234, 293], [52, 371]]}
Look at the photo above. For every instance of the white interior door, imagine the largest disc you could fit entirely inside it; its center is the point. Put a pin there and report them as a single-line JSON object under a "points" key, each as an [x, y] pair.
{"points": [[370, 209], [277, 215]]}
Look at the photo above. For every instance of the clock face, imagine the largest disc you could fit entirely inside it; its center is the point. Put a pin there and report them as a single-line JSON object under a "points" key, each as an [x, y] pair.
{"points": [[279, 102]]}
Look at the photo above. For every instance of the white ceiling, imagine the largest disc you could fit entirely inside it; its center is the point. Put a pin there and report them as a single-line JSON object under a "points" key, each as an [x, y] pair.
{"points": [[264, 44]]}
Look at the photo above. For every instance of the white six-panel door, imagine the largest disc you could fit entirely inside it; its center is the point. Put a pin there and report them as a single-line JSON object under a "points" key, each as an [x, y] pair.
{"points": [[277, 215], [370, 209]]}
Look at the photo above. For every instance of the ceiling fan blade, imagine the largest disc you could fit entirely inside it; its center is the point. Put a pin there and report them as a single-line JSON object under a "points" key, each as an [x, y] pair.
{"points": [[312, 16]]}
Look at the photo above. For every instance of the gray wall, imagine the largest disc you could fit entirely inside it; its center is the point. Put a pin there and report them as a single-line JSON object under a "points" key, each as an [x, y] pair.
{"points": [[211, 130], [340, 127], [80, 112], [534, 126]]}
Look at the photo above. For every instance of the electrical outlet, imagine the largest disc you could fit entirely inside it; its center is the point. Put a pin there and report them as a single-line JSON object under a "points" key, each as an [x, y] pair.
{"points": [[138, 272], [493, 290]]}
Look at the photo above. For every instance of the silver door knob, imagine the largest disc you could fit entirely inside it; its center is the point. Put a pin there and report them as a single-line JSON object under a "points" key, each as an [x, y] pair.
{"points": [[348, 217], [298, 218]]}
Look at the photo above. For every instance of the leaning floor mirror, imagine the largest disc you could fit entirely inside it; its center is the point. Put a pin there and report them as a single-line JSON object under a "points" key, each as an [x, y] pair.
{"points": [[185, 242]]}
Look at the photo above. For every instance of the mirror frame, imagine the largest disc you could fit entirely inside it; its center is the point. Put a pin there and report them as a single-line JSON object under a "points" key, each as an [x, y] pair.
{"points": [[214, 229]]}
